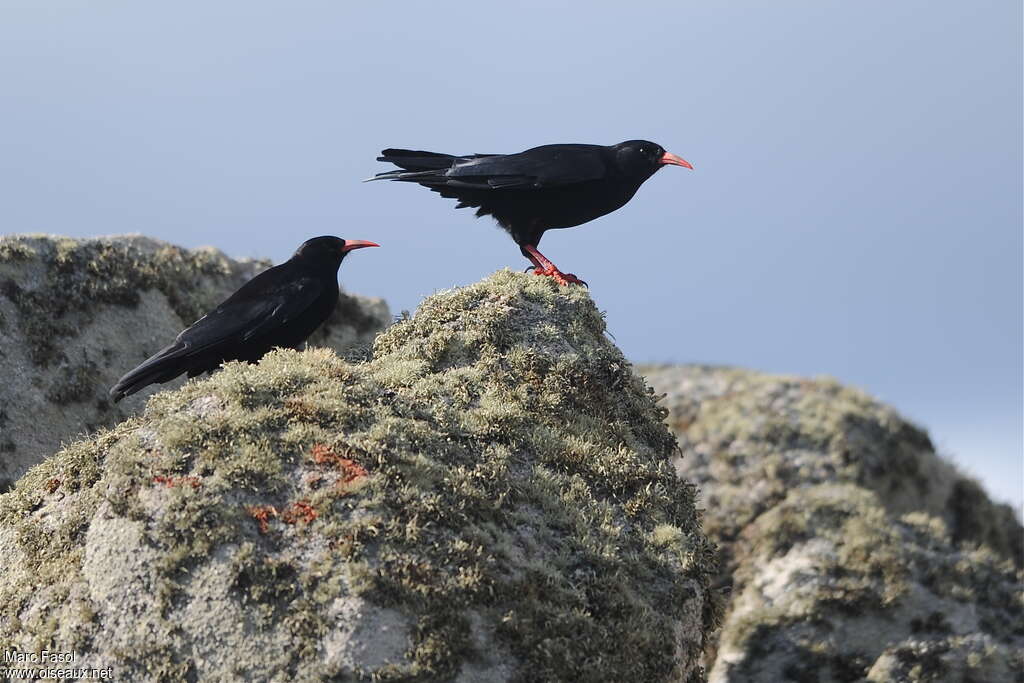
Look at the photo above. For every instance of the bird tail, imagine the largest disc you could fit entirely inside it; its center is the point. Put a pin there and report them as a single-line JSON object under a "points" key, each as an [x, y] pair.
{"points": [[161, 367], [416, 164], [415, 160]]}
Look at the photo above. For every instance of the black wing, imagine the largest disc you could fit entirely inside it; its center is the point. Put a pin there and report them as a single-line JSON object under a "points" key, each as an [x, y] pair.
{"points": [[541, 167], [244, 316]]}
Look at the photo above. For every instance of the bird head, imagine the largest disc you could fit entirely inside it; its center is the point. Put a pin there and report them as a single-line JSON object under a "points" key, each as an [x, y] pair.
{"points": [[643, 158], [329, 249]]}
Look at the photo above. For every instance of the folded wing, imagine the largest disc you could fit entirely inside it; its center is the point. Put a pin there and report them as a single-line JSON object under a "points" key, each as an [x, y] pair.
{"points": [[541, 167], [222, 334]]}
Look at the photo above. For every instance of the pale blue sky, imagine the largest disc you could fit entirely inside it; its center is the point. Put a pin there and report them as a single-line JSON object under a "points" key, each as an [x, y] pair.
{"points": [[855, 209]]}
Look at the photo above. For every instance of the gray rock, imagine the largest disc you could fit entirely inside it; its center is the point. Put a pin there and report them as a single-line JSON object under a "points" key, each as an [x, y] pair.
{"points": [[491, 497], [974, 657], [850, 549], [830, 587], [76, 314]]}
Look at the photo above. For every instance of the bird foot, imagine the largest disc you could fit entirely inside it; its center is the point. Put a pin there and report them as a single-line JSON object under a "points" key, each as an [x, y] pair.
{"points": [[561, 278]]}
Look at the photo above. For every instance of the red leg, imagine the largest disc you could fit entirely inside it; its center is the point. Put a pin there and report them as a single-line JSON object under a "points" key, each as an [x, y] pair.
{"points": [[546, 267], [538, 267]]}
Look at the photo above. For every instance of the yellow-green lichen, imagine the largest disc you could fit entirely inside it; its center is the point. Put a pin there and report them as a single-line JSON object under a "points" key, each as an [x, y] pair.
{"points": [[76, 276], [827, 582], [76, 314], [751, 437], [843, 533], [495, 479], [972, 657]]}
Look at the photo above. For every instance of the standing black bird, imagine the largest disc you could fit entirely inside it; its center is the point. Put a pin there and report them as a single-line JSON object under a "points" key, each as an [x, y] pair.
{"points": [[553, 186], [281, 306]]}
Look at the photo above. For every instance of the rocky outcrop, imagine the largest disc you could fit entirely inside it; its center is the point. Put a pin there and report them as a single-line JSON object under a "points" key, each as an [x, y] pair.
{"points": [[850, 550], [490, 498], [76, 314]]}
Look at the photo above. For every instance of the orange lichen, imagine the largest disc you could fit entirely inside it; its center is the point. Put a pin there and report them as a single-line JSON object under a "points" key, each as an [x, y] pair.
{"points": [[350, 469], [299, 511], [323, 455], [262, 515], [51, 485], [170, 481]]}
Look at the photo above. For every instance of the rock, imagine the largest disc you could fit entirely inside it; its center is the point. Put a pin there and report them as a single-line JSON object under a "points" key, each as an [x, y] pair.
{"points": [[76, 314], [491, 497], [967, 658], [829, 586], [850, 549]]}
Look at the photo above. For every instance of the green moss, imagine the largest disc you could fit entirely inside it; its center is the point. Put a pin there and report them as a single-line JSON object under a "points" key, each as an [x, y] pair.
{"points": [[496, 457]]}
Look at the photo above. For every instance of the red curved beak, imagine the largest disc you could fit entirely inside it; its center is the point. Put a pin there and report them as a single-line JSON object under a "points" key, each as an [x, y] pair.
{"points": [[357, 244], [669, 158]]}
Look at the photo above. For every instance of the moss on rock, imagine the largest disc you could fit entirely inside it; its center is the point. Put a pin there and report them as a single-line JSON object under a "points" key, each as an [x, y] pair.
{"points": [[962, 658], [844, 535], [828, 582], [76, 314], [489, 498], [751, 437], [69, 279]]}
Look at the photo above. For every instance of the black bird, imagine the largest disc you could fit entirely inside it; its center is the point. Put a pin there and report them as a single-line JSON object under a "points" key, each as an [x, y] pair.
{"points": [[553, 186], [281, 306]]}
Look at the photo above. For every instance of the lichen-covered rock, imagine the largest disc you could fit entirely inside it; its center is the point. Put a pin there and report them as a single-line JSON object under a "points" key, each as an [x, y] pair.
{"points": [[76, 314], [490, 498], [828, 584], [749, 438], [973, 659], [848, 545]]}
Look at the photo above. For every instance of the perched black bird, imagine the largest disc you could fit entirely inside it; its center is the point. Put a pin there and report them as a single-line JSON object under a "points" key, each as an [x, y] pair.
{"points": [[553, 186], [281, 306]]}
